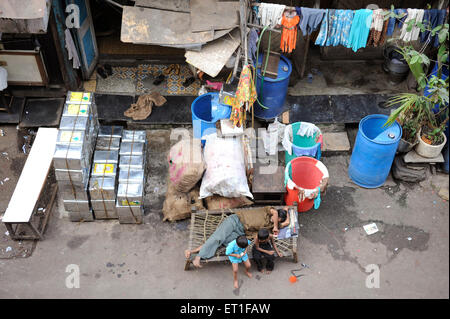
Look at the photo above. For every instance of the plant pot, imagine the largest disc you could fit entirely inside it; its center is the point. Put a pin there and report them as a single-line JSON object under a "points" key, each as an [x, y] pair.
{"points": [[405, 147], [427, 150]]}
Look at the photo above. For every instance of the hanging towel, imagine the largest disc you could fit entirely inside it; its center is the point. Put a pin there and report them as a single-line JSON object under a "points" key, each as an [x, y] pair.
{"points": [[309, 19], [376, 29], [71, 49], [270, 14], [289, 34], [413, 35], [431, 19], [323, 33], [359, 31]]}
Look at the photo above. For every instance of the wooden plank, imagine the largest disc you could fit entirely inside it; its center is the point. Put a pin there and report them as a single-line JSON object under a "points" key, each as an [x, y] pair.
{"points": [[152, 26], [213, 15], [173, 5], [22, 9], [213, 56], [32, 178]]}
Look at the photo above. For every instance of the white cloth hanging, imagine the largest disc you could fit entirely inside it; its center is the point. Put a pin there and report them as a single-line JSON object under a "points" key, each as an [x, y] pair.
{"points": [[71, 49], [3, 78], [413, 35], [377, 20], [270, 14]]}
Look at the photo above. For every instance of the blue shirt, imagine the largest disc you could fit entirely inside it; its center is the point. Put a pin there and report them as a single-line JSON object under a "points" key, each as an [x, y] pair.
{"points": [[233, 248]]}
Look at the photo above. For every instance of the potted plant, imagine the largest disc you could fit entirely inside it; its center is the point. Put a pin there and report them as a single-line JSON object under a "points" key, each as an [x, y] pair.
{"points": [[423, 115]]}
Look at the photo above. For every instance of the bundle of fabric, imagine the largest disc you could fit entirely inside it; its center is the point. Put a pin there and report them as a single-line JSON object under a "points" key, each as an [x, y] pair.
{"points": [[217, 202], [178, 206], [143, 107], [186, 164]]}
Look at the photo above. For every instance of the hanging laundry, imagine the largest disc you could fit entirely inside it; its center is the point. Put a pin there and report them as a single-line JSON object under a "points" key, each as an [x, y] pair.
{"points": [[413, 35], [252, 45], [359, 31], [270, 14], [310, 19], [377, 28], [289, 23], [323, 33], [431, 19], [341, 22], [396, 21], [246, 92]]}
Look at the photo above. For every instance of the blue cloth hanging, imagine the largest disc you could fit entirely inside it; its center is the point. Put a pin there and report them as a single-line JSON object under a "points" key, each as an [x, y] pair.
{"points": [[317, 201]]}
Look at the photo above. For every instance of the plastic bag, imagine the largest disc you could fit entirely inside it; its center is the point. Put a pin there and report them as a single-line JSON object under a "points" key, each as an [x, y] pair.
{"points": [[225, 168]]}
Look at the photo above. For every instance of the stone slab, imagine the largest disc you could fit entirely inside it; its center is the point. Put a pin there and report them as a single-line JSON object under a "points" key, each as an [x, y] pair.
{"points": [[413, 157], [335, 142]]}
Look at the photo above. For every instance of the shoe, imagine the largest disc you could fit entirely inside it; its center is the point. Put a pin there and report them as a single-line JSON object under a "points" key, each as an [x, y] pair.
{"points": [[160, 79], [188, 81], [101, 71], [108, 69]]}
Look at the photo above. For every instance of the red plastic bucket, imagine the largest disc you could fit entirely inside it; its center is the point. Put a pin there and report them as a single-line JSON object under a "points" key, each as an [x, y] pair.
{"points": [[305, 173]]}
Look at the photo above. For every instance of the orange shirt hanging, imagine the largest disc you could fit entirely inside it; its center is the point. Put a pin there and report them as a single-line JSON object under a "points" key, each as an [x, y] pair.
{"points": [[289, 35]]}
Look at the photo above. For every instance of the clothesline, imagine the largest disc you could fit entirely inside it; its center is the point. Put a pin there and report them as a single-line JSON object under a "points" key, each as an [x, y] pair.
{"points": [[350, 28]]}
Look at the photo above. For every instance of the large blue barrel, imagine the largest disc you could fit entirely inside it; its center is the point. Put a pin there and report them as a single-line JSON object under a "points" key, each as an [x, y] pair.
{"points": [[206, 111], [274, 91], [374, 151]]}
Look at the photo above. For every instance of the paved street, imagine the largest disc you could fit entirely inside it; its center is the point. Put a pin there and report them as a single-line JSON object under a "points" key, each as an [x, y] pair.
{"points": [[147, 261]]}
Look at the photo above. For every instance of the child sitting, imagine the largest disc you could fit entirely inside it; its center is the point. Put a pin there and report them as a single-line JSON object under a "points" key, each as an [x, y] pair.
{"points": [[237, 253], [264, 249]]}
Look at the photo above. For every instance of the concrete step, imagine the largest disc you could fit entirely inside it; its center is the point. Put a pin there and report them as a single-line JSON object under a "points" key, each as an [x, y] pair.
{"points": [[335, 143]]}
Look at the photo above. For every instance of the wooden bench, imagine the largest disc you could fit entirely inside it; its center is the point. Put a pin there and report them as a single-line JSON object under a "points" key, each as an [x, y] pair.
{"points": [[204, 223], [22, 204]]}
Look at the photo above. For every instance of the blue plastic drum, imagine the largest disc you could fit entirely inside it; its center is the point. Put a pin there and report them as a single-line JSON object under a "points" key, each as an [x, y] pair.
{"points": [[206, 111], [274, 91], [374, 151]]}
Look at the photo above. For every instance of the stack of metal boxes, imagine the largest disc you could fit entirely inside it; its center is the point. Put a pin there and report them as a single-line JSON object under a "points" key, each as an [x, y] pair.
{"points": [[74, 147], [103, 182], [130, 192]]}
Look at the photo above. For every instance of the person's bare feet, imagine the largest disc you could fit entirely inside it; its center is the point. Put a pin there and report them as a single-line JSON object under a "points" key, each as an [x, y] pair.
{"points": [[249, 274], [236, 284], [268, 272], [187, 253], [196, 262], [262, 271]]}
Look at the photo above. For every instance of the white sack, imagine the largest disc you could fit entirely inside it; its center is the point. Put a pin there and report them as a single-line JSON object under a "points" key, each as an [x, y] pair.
{"points": [[225, 168]]}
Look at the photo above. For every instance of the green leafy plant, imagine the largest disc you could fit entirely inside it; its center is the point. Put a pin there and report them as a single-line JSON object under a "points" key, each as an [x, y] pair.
{"points": [[416, 111]]}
